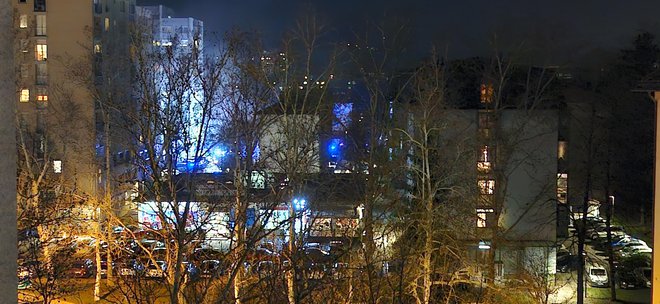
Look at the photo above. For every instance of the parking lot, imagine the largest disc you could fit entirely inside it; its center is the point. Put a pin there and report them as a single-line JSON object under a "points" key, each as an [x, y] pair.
{"points": [[631, 276]]}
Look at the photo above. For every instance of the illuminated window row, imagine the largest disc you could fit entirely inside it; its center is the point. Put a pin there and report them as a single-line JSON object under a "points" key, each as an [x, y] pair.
{"points": [[40, 29], [42, 95]]}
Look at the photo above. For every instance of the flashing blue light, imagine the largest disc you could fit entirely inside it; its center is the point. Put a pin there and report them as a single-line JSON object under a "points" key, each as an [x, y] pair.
{"points": [[299, 204], [334, 147], [219, 152]]}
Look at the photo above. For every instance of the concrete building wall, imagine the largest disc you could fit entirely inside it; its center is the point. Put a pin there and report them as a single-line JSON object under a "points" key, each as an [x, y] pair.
{"points": [[8, 281], [526, 150], [529, 212], [281, 134], [60, 106]]}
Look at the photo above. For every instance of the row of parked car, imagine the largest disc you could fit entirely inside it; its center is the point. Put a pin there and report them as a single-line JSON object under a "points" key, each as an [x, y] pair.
{"points": [[632, 256], [316, 262], [622, 244]]}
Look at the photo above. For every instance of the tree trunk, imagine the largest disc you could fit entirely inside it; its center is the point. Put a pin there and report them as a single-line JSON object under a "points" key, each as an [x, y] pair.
{"points": [[97, 251], [108, 197]]}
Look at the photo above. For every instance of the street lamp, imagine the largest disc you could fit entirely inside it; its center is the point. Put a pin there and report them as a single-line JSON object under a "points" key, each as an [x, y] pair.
{"points": [[299, 204]]}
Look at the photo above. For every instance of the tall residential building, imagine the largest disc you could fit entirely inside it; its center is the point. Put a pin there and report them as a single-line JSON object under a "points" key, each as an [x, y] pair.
{"points": [[57, 65], [57, 113], [165, 28]]}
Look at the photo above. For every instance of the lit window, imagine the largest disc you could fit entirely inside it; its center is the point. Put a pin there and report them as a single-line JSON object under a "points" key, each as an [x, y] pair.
{"points": [[41, 51], [562, 187], [485, 156], [483, 217], [42, 94], [23, 21], [41, 25], [487, 186], [561, 149], [106, 24], [487, 93], [57, 166], [25, 95], [97, 48]]}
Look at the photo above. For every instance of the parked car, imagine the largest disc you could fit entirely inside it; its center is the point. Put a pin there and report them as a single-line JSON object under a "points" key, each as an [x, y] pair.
{"points": [[317, 263], [211, 269], [567, 262], [644, 275], [623, 240], [131, 268], [597, 276], [259, 257], [626, 279], [24, 275], [81, 269], [104, 268], [633, 250], [602, 233], [156, 270], [631, 244], [601, 243], [201, 254]]}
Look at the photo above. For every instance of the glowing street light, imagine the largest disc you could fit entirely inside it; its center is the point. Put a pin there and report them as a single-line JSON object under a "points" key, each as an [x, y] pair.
{"points": [[299, 204]]}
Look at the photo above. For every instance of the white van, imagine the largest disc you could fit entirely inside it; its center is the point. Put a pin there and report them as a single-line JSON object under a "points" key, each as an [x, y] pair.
{"points": [[597, 276]]}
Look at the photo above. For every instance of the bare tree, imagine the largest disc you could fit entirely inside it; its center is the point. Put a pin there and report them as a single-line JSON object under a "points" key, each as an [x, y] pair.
{"points": [[176, 91]]}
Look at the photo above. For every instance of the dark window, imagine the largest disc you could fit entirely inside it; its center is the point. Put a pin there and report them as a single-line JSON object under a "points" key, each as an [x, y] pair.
{"points": [[97, 7], [39, 5], [486, 120], [41, 73], [22, 1]]}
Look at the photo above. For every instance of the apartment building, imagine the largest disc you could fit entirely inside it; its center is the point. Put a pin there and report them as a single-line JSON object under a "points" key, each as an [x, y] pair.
{"points": [[58, 47]]}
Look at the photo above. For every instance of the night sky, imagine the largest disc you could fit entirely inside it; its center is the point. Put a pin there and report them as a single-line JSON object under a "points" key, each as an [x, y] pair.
{"points": [[561, 32]]}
